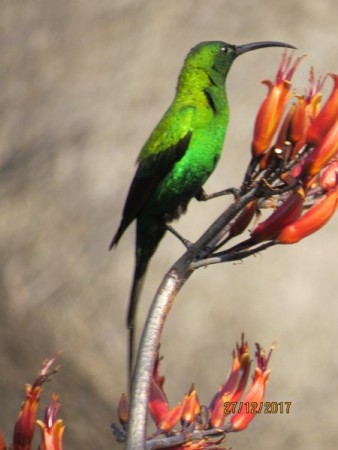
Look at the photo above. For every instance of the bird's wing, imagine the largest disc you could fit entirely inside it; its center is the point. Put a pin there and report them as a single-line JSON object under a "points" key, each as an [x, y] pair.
{"points": [[166, 145]]}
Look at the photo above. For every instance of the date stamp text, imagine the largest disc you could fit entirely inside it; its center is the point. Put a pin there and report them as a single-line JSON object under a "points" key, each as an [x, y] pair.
{"points": [[257, 407]]}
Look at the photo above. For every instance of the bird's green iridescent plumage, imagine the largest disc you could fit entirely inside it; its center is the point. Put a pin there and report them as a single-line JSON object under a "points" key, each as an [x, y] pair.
{"points": [[184, 148], [180, 154]]}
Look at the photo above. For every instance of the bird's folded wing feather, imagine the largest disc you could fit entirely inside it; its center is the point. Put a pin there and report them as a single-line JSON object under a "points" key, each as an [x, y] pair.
{"points": [[165, 146]]}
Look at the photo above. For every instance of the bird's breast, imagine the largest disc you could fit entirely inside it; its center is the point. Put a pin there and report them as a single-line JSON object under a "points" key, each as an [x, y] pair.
{"points": [[189, 174]]}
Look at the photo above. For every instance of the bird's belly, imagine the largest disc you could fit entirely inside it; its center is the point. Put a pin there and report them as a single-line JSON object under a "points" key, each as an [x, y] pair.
{"points": [[171, 197]]}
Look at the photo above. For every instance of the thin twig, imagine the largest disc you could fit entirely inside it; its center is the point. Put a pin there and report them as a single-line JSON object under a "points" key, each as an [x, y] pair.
{"points": [[222, 257]]}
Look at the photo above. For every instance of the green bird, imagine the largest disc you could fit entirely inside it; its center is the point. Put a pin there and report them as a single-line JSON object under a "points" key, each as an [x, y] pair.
{"points": [[180, 154]]}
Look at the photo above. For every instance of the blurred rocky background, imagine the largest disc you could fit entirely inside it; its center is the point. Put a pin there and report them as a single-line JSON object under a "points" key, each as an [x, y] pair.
{"points": [[82, 85]]}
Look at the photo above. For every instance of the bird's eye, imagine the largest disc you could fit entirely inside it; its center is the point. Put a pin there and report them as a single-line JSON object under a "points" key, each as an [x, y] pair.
{"points": [[224, 49]]}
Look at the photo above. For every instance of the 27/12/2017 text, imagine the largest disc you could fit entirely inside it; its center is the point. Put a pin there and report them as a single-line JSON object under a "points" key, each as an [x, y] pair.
{"points": [[257, 408]]}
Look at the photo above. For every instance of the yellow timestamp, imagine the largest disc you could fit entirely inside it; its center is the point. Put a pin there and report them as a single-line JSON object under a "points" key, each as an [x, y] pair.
{"points": [[257, 407]]}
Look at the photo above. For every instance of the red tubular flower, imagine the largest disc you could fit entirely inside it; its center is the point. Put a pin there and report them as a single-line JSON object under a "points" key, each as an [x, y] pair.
{"points": [[283, 134], [292, 133], [51, 429], [256, 393], [233, 388], [305, 113], [25, 424], [326, 117], [243, 377], [273, 106], [190, 416], [298, 121], [326, 150], [311, 221], [171, 419], [164, 417], [230, 383], [269, 115], [243, 220], [158, 404], [287, 213], [218, 413], [190, 404]]}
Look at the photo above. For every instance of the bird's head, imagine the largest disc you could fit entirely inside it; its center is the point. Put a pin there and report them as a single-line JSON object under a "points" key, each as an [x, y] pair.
{"points": [[217, 56]]}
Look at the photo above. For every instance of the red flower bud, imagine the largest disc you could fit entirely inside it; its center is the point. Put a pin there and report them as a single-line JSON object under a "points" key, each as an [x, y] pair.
{"points": [[122, 410], [218, 414], [241, 222], [25, 424], [158, 405], [326, 117], [311, 221], [298, 122], [171, 419], [255, 395], [189, 408], [289, 211], [323, 153]]}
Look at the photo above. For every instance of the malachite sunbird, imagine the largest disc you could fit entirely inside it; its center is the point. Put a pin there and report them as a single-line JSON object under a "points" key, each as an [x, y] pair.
{"points": [[180, 154]]}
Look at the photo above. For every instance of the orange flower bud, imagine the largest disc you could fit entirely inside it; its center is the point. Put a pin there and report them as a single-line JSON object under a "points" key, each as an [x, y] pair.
{"points": [[311, 221], [51, 429], [310, 111], [189, 408], [218, 414], [323, 153], [269, 115], [272, 108], [287, 213], [298, 121], [326, 117], [122, 410], [171, 419]]}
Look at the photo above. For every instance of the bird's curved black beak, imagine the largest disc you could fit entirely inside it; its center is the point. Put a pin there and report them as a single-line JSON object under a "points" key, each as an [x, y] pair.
{"points": [[240, 49]]}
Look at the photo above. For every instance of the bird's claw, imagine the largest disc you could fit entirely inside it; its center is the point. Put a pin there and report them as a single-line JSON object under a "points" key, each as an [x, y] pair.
{"points": [[202, 196], [187, 244]]}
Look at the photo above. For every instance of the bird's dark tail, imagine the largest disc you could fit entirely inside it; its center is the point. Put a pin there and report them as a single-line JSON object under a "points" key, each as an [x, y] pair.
{"points": [[118, 234], [138, 281], [147, 241]]}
